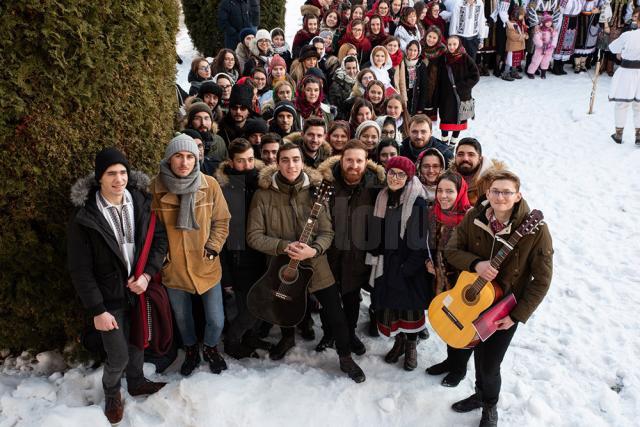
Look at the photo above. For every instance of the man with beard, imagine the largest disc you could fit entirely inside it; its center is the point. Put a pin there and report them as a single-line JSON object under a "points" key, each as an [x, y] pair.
{"points": [[200, 118], [210, 93], [356, 182], [420, 139], [469, 163], [240, 109], [278, 214], [285, 119], [269, 148], [254, 130], [242, 266], [314, 147]]}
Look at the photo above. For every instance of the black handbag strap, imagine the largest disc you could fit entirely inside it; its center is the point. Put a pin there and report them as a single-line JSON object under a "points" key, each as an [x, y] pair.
{"points": [[455, 91]]}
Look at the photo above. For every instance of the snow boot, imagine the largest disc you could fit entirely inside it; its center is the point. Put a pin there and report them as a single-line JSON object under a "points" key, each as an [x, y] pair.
{"points": [[114, 408], [280, 350], [515, 74], [469, 404], [558, 68], [543, 74], [373, 324], [489, 416], [356, 345], [483, 70], [423, 334], [637, 136], [351, 368], [191, 359], [238, 350], [306, 329], [216, 362], [610, 65], [445, 139], [453, 142], [497, 69], [253, 341], [397, 350], [617, 137], [439, 368], [327, 341], [507, 76], [452, 379], [531, 76], [145, 388], [410, 355], [576, 65]]}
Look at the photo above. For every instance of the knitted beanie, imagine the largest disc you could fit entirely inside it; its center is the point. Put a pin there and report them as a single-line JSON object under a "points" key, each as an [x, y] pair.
{"points": [[278, 61], [209, 87], [366, 125], [285, 106], [402, 163], [198, 107], [255, 125], [179, 143], [107, 157], [246, 31], [193, 133], [263, 35]]}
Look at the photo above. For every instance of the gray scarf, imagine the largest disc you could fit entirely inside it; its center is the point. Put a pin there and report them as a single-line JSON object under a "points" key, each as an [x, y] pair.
{"points": [[185, 188]]}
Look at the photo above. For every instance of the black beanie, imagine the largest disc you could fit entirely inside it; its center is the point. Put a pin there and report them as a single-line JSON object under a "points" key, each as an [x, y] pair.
{"points": [[308, 51], [209, 87], [107, 157], [193, 133], [255, 125], [241, 95]]}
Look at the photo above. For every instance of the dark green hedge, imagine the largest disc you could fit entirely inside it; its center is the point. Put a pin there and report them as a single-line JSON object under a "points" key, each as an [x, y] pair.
{"points": [[76, 75], [201, 19]]}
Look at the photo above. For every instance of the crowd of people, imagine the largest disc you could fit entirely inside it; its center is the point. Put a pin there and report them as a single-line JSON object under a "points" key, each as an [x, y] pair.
{"points": [[351, 102]]}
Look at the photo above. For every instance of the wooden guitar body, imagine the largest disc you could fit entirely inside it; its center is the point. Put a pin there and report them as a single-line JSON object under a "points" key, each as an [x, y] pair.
{"points": [[278, 299], [452, 313]]}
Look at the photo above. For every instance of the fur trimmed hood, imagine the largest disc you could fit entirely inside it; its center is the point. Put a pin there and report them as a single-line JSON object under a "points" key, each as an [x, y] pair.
{"points": [[267, 177], [83, 186], [223, 178], [326, 169]]}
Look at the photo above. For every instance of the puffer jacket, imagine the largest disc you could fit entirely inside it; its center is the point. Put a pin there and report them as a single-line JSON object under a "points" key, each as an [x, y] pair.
{"points": [[278, 214], [526, 271], [188, 268]]}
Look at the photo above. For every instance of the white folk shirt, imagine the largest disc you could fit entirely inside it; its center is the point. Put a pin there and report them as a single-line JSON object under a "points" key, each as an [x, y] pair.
{"points": [[467, 20], [122, 222]]}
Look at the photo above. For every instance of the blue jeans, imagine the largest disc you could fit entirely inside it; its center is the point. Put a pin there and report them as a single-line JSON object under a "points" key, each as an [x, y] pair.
{"points": [[213, 314]]}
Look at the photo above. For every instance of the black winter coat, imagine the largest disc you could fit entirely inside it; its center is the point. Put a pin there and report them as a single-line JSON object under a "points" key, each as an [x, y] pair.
{"points": [[339, 92], [242, 266], [234, 16], [466, 75], [96, 264], [408, 150], [353, 222], [404, 284]]}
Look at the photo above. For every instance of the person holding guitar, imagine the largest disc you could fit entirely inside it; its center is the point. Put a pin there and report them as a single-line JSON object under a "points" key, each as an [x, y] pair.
{"points": [[526, 273], [279, 212]]}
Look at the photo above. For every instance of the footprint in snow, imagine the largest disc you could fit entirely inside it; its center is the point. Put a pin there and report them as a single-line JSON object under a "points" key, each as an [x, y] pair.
{"points": [[387, 404]]}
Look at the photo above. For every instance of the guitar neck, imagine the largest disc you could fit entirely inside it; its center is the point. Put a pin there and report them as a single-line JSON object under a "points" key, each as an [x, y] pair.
{"points": [[499, 258], [305, 236]]}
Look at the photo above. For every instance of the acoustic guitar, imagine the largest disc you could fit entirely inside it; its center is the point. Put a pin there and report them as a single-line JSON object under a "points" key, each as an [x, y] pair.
{"points": [[452, 313], [280, 295]]}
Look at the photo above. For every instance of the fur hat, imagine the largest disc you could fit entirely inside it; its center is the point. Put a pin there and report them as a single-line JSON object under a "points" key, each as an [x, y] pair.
{"points": [[108, 157], [402, 163], [209, 87], [241, 95], [308, 51]]}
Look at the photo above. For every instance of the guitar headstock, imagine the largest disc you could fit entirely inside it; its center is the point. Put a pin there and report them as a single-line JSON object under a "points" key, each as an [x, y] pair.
{"points": [[323, 192], [531, 223]]}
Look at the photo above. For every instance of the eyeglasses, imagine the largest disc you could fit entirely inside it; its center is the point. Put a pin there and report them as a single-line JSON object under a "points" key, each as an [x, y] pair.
{"points": [[397, 175], [204, 68], [388, 132], [225, 87], [506, 194]]}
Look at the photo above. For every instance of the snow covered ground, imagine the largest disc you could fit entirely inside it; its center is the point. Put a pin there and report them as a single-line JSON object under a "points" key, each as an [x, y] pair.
{"points": [[574, 363]]}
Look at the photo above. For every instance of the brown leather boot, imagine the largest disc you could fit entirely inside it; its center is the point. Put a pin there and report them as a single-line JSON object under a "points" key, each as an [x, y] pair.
{"points": [[617, 137], [410, 356], [146, 387], [114, 408], [637, 136], [397, 350], [610, 64]]}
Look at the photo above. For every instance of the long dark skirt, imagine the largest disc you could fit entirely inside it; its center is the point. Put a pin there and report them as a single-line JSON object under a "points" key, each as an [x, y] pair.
{"points": [[392, 322], [566, 38]]}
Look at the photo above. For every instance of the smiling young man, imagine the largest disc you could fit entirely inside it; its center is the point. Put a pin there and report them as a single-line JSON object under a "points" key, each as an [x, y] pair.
{"points": [[105, 239], [526, 273], [314, 147], [191, 206], [278, 214], [420, 139]]}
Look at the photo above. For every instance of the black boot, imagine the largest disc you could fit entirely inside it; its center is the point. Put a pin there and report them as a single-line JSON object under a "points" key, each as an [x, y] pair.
{"points": [[280, 350], [306, 329], [264, 329], [351, 368], [558, 68], [253, 341], [543, 74], [637, 136], [531, 76], [327, 341], [489, 416], [617, 137], [469, 404], [439, 368], [373, 324], [356, 345], [191, 359], [423, 334], [410, 355], [238, 350], [397, 350], [215, 359], [452, 379]]}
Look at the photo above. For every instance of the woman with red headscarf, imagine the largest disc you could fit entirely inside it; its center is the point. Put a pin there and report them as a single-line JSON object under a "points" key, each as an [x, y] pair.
{"points": [[375, 31], [433, 18], [450, 206], [309, 98], [382, 9], [310, 29], [355, 35]]}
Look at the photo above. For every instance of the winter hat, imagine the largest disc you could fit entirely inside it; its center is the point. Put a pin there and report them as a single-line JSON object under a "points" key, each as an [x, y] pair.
{"points": [[255, 125], [402, 163], [209, 87], [179, 143], [316, 72], [432, 152], [277, 60], [276, 32], [263, 34], [241, 95], [326, 34], [546, 18], [108, 157], [198, 107], [193, 133], [247, 31], [366, 125], [285, 106], [308, 52]]}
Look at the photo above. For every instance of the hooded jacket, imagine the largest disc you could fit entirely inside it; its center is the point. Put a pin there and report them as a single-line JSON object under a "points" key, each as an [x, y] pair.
{"points": [[408, 150], [352, 213], [278, 214], [96, 265], [526, 271]]}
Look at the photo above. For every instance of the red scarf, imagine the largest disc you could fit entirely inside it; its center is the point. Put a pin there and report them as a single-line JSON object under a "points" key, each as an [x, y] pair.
{"points": [[455, 56], [362, 44], [304, 107], [396, 58], [453, 216]]}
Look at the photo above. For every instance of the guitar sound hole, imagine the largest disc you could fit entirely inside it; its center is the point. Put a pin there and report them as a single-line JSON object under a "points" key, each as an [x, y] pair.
{"points": [[469, 295], [288, 275]]}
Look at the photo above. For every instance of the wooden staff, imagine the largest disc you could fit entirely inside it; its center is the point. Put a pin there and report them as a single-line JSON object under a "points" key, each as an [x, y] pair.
{"points": [[595, 84]]}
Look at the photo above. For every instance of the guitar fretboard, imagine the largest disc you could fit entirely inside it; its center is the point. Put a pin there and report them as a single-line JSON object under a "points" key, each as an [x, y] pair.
{"points": [[498, 259], [306, 232]]}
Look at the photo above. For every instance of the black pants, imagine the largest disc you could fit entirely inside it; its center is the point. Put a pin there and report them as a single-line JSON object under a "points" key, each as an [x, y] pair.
{"points": [[457, 359], [488, 357], [471, 44], [244, 320], [351, 307], [122, 357], [333, 317]]}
